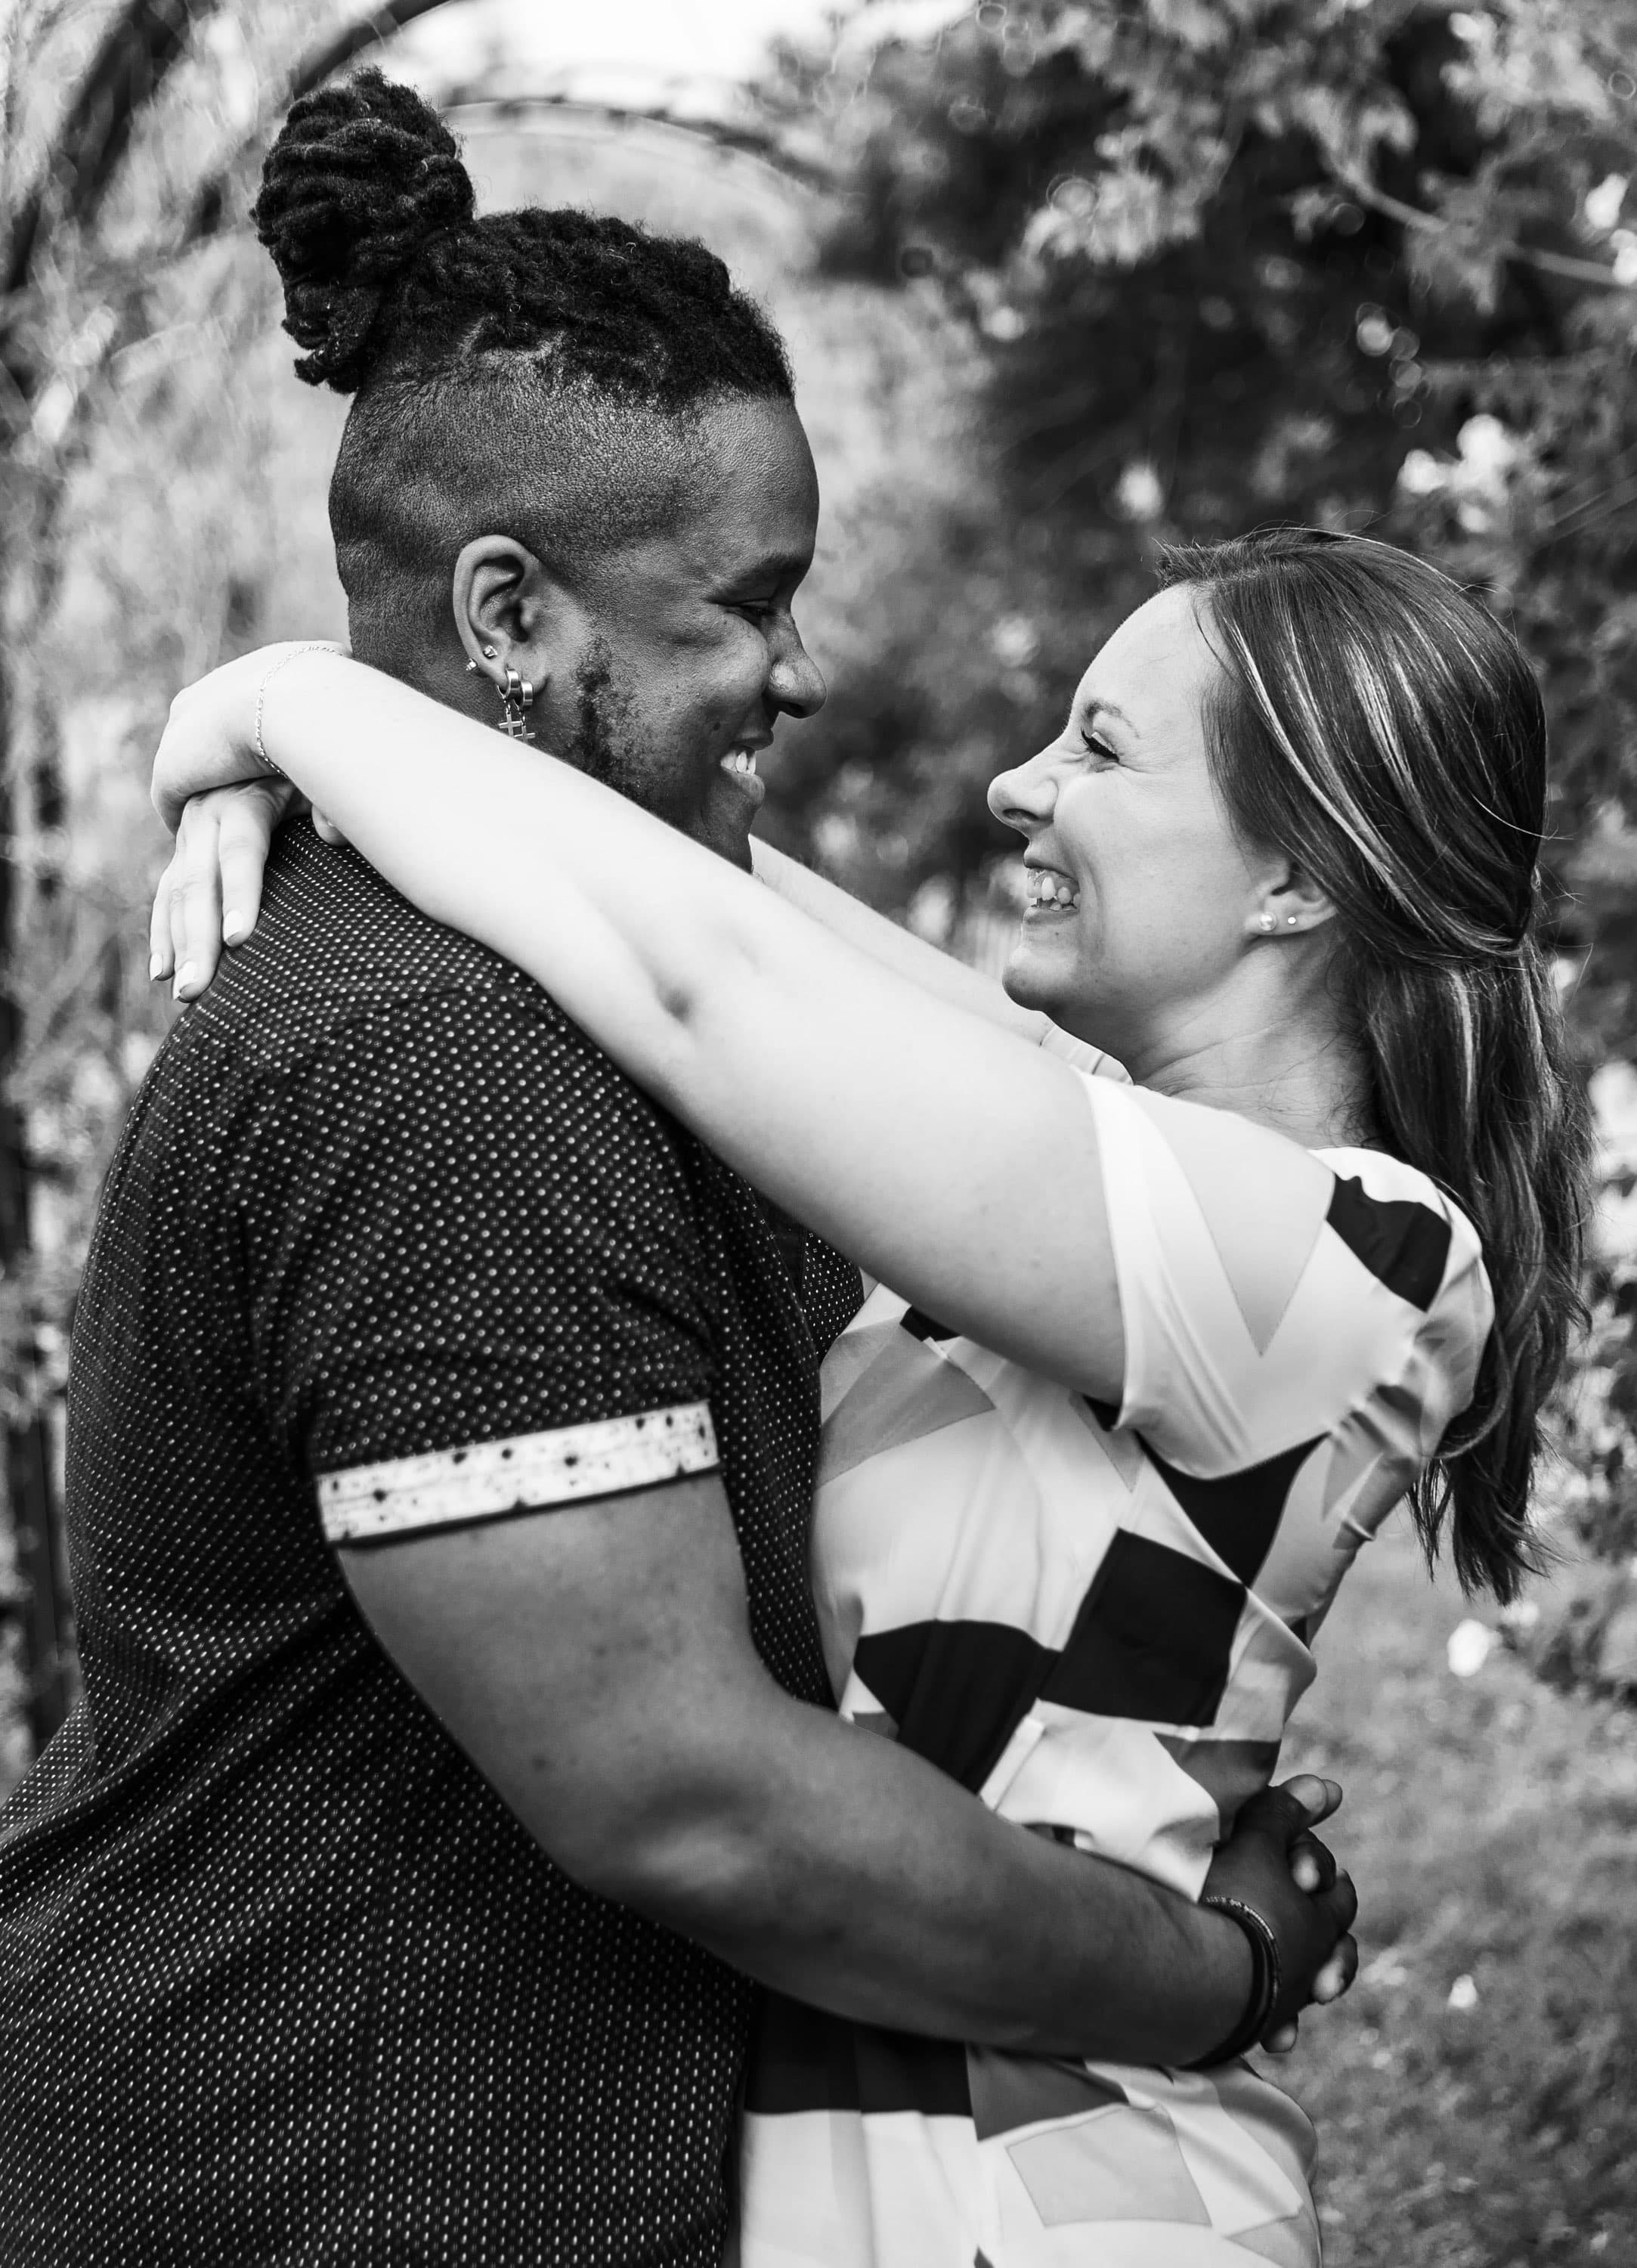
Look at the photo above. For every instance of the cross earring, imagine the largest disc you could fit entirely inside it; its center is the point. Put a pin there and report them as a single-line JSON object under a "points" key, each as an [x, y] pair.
{"points": [[516, 698]]}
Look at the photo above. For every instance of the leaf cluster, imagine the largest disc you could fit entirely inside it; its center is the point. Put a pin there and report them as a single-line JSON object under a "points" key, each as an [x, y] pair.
{"points": [[1358, 262]]}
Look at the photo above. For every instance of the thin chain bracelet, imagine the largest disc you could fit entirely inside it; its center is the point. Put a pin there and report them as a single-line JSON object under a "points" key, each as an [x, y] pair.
{"points": [[313, 645]]}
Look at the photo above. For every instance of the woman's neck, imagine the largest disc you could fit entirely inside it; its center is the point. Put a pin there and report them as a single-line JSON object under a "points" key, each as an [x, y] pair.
{"points": [[1293, 1071]]}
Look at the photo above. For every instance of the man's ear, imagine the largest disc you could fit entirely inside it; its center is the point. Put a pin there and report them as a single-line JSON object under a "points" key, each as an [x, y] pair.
{"points": [[511, 612]]}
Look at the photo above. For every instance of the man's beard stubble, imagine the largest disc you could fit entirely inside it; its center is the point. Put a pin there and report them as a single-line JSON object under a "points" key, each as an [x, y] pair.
{"points": [[602, 743], [608, 746]]}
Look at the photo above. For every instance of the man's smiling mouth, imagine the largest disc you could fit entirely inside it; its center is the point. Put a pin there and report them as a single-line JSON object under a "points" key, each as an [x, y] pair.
{"points": [[747, 788]]}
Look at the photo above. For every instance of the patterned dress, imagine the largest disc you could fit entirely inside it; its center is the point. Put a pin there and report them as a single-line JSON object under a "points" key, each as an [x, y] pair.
{"points": [[1098, 1620]]}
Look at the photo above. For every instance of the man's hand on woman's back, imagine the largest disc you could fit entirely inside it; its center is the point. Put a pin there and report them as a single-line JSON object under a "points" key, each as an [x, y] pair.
{"points": [[1274, 1863]]}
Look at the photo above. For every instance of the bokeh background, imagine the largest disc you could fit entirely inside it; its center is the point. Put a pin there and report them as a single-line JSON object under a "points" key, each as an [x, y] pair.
{"points": [[1063, 279]]}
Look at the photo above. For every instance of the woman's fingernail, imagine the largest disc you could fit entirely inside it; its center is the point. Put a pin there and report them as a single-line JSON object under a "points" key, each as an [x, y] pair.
{"points": [[156, 969], [232, 929], [185, 978]]}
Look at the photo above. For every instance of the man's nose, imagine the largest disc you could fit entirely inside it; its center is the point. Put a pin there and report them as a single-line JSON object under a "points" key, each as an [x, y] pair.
{"points": [[796, 681], [1023, 797]]}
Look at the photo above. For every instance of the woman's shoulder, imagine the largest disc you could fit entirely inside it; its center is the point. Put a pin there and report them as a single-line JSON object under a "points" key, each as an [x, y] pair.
{"points": [[1269, 1283], [1384, 1201]]}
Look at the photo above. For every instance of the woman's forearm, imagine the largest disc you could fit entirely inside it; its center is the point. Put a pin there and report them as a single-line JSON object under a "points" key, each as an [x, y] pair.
{"points": [[895, 947], [951, 1159], [924, 965]]}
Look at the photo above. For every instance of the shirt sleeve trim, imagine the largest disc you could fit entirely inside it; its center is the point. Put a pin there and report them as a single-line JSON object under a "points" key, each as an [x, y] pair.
{"points": [[485, 1480]]}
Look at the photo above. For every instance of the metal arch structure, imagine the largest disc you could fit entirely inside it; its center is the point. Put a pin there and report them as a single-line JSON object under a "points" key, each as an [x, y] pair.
{"points": [[143, 42], [750, 142], [208, 215]]}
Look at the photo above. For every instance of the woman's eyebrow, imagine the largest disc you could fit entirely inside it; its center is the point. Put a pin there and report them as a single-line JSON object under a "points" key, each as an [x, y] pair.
{"points": [[1095, 708]]}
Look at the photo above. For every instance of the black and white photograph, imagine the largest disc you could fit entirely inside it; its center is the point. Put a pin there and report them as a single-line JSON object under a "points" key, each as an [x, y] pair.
{"points": [[818, 1134]]}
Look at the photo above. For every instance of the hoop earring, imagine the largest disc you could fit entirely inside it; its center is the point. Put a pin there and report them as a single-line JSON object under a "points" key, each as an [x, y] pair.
{"points": [[516, 696]]}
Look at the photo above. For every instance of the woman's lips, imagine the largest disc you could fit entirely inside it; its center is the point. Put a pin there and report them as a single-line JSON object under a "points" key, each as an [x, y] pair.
{"points": [[1052, 895]]}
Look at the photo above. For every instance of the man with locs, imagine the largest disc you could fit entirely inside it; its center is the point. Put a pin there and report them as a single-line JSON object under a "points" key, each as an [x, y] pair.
{"points": [[393, 1893]]}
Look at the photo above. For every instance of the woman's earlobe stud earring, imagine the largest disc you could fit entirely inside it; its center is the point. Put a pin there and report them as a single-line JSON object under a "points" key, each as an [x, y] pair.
{"points": [[1290, 921], [1265, 923]]}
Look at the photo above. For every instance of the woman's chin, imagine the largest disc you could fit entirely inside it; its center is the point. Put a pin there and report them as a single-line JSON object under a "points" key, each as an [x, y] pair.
{"points": [[1040, 972]]}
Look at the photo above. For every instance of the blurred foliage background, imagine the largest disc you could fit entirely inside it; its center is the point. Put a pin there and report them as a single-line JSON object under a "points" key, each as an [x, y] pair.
{"points": [[1063, 279]]}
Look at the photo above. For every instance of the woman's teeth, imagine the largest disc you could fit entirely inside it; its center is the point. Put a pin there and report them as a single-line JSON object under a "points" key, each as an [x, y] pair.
{"points": [[739, 760], [1055, 890]]}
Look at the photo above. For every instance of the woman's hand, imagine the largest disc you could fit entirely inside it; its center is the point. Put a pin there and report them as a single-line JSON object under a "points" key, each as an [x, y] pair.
{"points": [[212, 787], [211, 893], [210, 740]]}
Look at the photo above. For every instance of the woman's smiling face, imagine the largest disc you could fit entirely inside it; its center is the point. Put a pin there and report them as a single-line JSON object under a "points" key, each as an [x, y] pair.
{"points": [[1142, 898]]}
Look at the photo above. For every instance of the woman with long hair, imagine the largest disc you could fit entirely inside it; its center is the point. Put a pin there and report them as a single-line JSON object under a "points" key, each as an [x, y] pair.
{"points": [[1159, 1354]]}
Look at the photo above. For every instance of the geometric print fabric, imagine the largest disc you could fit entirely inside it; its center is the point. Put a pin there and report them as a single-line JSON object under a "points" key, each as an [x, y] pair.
{"points": [[1098, 1620]]}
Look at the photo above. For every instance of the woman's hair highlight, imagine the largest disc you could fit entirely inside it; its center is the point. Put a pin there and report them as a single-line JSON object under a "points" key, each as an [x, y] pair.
{"points": [[1374, 722]]}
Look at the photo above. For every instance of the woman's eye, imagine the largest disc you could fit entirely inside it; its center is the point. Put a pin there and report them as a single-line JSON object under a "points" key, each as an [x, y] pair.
{"points": [[1097, 746]]}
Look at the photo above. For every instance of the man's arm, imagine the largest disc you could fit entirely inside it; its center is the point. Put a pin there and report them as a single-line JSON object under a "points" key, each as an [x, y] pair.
{"points": [[493, 1344], [596, 1664]]}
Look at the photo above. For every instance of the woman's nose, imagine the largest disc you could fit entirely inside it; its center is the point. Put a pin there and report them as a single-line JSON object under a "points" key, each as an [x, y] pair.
{"points": [[1023, 797], [796, 681]]}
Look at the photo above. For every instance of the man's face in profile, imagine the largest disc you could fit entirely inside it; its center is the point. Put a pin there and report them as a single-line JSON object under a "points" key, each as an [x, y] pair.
{"points": [[692, 653]]}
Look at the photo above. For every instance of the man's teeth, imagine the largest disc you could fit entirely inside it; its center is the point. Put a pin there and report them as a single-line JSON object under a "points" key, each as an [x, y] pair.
{"points": [[739, 760], [1051, 890]]}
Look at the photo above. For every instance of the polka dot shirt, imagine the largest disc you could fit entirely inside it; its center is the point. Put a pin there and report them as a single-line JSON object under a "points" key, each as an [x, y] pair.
{"points": [[281, 1979]]}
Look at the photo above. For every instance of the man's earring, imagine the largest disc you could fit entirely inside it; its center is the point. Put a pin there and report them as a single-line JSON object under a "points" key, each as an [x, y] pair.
{"points": [[516, 698]]}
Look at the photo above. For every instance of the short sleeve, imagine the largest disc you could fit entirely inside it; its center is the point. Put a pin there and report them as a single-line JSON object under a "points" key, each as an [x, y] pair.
{"points": [[481, 1290], [1080, 1056], [1269, 1293]]}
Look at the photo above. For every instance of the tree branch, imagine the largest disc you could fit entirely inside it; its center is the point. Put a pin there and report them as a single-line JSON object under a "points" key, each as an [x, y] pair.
{"points": [[335, 53], [1552, 263], [138, 51], [210, 201]]}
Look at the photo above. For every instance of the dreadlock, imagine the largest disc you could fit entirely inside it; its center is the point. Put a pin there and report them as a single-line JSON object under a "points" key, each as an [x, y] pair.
{"points": [[532, 372]]}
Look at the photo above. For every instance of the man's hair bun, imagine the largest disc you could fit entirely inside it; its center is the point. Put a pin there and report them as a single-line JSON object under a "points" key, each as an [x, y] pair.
{"points": [[359, 179]]}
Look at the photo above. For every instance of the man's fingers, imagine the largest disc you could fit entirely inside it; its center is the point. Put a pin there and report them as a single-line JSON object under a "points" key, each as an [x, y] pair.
{"points": [[1341, 1902], [1319, 1799], [1312, 1865], [1281, 2039], [1291, 1809], [1338, 1973]]}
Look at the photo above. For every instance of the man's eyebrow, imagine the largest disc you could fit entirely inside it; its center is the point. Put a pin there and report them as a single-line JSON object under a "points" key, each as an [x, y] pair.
{"points": [[772, 567]]}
